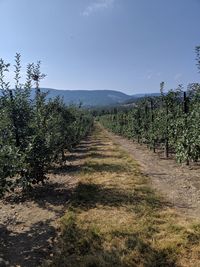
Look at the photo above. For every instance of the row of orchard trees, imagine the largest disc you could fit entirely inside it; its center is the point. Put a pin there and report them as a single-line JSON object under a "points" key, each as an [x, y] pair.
{"points": [[171, 121], [34, 132]]}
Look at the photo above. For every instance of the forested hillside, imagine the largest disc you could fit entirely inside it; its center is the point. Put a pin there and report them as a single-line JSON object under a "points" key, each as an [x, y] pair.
{"points": [[88, 98]]}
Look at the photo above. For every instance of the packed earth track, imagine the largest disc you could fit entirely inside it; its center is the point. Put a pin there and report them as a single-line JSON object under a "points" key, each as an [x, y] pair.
{"points": [[180, 184], [99, 209]]}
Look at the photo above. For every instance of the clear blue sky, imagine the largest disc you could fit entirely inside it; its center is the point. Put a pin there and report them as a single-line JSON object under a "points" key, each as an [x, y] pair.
{"points": [[127, 45]]}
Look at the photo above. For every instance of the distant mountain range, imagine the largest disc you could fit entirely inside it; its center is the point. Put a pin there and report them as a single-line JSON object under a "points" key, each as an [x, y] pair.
{"points": [[91, 98], [88, 98]]}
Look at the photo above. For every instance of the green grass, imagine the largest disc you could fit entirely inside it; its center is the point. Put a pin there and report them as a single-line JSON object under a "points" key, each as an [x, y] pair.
{"points": [[115, 219]]}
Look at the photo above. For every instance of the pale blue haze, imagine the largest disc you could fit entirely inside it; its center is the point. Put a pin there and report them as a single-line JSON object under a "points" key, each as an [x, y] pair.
{"points": [[126, 45]]}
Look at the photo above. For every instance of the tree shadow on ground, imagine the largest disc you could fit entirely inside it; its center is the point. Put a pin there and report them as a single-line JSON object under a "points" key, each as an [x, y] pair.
{"points": [[57, 193], [86, 150], [76, 166], [88, 144], [148, 256], [29, 247], [92, 154], [87, 196], [92, 143], [92, 167], [38, 239], [104, 167], [85, 247], [67, 169], [34, 244], [52, 194]]}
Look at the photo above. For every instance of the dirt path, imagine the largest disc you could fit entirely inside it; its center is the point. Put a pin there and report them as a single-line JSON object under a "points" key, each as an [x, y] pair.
{"points": [[117, 213], [115, 218], [179, 184]]}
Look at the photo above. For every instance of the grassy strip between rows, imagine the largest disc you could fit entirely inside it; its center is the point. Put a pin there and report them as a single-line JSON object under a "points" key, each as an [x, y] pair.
{"points": [[116, 219]]}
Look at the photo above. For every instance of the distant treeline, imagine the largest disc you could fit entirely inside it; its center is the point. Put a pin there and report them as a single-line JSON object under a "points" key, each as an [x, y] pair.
{"points": [[34, 133]]}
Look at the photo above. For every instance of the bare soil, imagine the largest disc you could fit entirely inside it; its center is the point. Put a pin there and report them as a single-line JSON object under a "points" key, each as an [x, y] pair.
{"points": [[29, 222], [179, 184]]}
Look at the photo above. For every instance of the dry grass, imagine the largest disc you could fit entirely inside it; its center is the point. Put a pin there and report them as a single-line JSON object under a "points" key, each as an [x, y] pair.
{"points": [[116, 219]]}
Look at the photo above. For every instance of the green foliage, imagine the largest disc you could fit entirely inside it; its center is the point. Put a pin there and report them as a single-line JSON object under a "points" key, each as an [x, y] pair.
{"points": [[34, 132], [171, 120]]}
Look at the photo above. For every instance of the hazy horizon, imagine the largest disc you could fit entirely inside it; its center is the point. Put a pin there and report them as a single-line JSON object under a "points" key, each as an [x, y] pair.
{"points": [[120, 91], [128, 46]]}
